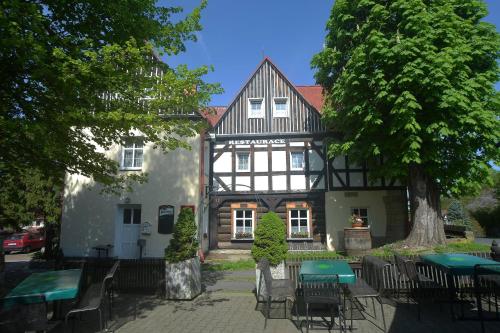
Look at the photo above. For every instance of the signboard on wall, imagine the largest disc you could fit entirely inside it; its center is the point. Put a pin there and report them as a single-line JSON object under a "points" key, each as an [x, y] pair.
{"points": [[165, 219]]}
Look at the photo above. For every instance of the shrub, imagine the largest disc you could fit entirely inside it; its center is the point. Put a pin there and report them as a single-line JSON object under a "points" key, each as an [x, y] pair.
{"points": [[270, 241], [184, 243]]}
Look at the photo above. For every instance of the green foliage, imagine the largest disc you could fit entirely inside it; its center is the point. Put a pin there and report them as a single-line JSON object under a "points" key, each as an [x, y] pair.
{"points": [[270, 241], [26, 195], [489, 219], [77, 76], [413, 81], [457, 215], [184, 242]]}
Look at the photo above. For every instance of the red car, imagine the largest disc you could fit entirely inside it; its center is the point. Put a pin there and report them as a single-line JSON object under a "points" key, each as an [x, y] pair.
{"points": [[24, 242]]}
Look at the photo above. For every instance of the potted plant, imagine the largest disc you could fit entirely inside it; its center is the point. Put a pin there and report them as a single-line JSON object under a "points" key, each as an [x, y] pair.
{"points": [[270, 243], [356, 221], [243, 235], [182, 269], [300, 234]]}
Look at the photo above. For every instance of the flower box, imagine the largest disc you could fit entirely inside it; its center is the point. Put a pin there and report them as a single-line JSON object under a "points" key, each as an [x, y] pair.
{"points": [[243, 235]]}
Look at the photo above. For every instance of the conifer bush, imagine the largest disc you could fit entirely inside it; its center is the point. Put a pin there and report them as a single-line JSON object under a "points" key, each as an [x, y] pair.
{"points": [[184, 243], [270, 241]]}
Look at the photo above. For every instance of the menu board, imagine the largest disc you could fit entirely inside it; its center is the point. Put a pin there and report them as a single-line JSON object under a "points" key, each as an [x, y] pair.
{"points": [[165, 219]]}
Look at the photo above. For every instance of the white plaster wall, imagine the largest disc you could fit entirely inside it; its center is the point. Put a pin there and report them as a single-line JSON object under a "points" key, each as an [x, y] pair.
{"points": [[223, 163], [279, 183], [279, 161], [88, 217], [261, 183], [261, 161], [315, 161], [242, 183], [338, 210], [298, 182], [321, 183]]}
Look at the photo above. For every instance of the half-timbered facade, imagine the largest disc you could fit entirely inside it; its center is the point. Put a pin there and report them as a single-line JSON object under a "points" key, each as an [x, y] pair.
{"points": [[267, 153]]}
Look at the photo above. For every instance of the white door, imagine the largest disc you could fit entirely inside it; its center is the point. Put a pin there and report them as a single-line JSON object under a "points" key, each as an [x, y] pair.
{"points": [[131, 224]]}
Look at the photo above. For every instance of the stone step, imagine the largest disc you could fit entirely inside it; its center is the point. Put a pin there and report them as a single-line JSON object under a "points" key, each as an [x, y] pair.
{"points": [[228, 254]]}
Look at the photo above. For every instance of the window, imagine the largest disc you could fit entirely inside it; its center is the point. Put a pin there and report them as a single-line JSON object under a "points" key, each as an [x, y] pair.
{"points": [[280, 107], [132, 155], [255, 108], [243, 162], [362, 213], [243, 223], [299, 223], [131, 216], [297, 160]]}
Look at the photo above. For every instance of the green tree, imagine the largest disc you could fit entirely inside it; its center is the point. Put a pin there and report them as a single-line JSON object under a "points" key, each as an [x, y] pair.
{"points": [[81, 75], [457, 215], [410, 83], [270, 241], [184, 242]]}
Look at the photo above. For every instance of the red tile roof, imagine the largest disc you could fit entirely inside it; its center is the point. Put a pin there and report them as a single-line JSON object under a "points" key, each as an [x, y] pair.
{"points": [[313, 95], [213, 114]]}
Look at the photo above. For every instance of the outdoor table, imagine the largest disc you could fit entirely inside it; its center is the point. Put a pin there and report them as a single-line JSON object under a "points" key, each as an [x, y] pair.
{"points": [[455, 264], [52, 285], [323, 270], [102, 248], [315, 270]]}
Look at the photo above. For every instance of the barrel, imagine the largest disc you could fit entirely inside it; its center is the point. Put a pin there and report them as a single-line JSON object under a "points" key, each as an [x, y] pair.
{"points": [[357, 241]]}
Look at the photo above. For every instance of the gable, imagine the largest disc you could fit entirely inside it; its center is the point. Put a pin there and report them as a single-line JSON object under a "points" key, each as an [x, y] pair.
{"points": [[268, 83]]}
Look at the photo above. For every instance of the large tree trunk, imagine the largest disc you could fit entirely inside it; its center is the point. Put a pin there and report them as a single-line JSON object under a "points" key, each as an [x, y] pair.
{"points": [[426, 219]]}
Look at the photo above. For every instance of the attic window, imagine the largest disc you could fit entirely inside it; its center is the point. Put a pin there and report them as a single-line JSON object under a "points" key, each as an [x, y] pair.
{"points": [[256, 108], [280, 107]]}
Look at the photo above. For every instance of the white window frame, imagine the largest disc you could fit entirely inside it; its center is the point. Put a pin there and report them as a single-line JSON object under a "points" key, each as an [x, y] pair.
{"points": [[357, 210], [133, 210], [238, 169], [235, 210], [308, 217], [291, 161], [262, 108], [132, 141], [280, 113]]}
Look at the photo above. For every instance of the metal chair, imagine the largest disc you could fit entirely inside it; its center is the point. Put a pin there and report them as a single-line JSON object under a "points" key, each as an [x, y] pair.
{"points": [[487, 282], [371, 275], [400, 265], [423, 287], [93, 298], [27, 317], [111, 286], [276, 290], [324, 290]]}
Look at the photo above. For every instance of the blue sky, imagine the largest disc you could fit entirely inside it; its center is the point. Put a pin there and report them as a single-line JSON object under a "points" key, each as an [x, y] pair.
{"points": [[237, 34]]}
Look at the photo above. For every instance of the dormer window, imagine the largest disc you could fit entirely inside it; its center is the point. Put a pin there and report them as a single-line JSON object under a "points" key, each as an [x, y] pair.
{"points": [[256, 108], [280, 107]]}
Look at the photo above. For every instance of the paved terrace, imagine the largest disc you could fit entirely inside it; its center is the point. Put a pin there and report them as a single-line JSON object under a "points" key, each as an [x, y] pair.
{"points": [[228, 305]]}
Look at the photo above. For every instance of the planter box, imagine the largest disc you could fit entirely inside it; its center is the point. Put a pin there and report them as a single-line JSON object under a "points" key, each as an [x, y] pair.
{"points": [[183, 279], [277, 272]]}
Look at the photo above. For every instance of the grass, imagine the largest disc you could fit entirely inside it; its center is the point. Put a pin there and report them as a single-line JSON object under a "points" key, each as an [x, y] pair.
{"points": [[313, 255], [219, 265]]}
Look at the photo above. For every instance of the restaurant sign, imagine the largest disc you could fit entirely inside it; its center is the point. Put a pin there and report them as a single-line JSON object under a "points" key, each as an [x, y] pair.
{"points": [[258, 141]]}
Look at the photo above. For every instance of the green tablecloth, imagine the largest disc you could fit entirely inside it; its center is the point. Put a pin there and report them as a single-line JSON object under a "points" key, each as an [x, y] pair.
{"points": [[456, 263], [53, 285], [317, 270]]}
